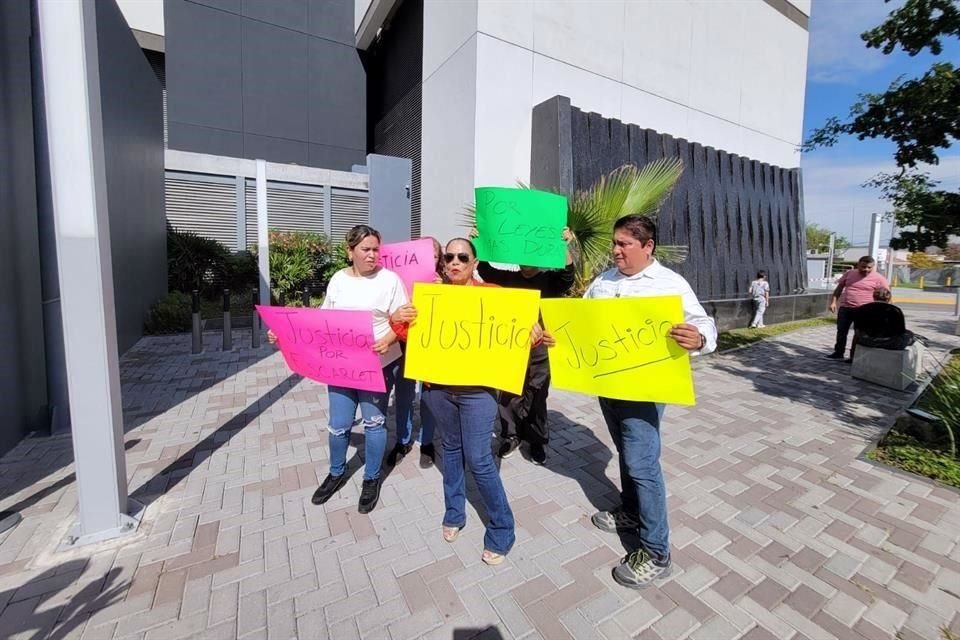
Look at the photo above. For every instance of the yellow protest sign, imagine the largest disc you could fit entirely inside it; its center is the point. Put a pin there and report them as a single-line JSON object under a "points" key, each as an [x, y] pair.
{"points": [[471, 335], [619, 348]]}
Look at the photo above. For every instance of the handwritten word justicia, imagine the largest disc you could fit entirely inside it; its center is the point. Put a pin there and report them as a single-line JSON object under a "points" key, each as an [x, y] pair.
{"points": [[486, 332], [622, 341], [325, 337]]}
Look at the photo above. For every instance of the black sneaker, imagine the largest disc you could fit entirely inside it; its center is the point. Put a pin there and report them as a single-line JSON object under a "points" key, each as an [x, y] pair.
{"points": [[640, 569], [369, 495], [331, 484], [834, 356], [509, 447], [538, 454], [428, 456], [398, 453]]}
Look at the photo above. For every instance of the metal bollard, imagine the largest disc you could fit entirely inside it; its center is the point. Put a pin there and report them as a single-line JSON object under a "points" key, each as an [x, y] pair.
{"points": [[305, 297], [197, 346], [227, 328], [255, 322], [956, 304]]}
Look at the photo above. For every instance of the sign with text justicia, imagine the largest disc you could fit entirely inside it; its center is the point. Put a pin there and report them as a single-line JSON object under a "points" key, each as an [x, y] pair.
{"points": [[327, 345], [619, 348]]}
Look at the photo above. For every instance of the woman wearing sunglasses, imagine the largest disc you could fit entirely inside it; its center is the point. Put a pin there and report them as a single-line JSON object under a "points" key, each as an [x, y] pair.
{"points": [[365, 286], [466, 417]]}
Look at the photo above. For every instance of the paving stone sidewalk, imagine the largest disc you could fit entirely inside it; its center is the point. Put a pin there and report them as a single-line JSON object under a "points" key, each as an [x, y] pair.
{"points": [[780, 529]]}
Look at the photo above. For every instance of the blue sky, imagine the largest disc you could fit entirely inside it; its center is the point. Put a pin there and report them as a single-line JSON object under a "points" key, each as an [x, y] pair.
{"points": [[839, 68]]}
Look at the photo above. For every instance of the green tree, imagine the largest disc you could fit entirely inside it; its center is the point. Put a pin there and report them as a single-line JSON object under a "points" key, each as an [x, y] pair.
{"points": [[818, 239], [921, 116]]}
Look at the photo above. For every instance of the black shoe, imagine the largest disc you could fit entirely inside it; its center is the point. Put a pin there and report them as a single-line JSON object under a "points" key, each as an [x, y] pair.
{"points": [[331, 484], [427, 456], [509, 446], [834, 356], [398, 453], [538, 454], [369, 495]]}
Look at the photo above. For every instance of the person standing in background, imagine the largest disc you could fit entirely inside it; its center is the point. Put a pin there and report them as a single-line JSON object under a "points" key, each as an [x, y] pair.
{"points": [[854, 289], [524, 417], [760, 293], [406, 396]]}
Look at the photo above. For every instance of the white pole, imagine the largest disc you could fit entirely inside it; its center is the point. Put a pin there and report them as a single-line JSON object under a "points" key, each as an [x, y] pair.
{"points": [[263, 233], [74, 122], [875, 236], [833, 239]]}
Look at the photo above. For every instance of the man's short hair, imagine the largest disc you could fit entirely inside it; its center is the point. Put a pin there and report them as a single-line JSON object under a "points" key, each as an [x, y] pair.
{"points": [[882, 294], [866, 260], [643, 228]]}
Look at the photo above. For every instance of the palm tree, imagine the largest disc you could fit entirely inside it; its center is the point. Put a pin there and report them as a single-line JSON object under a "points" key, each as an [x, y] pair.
{"points": [[591, 213]]}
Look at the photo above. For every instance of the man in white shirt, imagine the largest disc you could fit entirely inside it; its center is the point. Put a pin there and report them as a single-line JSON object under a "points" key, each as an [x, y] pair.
{"points": [[635, 426]]}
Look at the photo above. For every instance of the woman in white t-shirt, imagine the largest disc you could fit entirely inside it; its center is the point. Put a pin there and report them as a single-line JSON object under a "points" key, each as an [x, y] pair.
{"points": [[366, 286]]}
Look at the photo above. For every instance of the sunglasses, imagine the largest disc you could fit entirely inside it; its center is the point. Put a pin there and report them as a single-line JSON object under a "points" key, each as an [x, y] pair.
{"points": [[462, 257]]}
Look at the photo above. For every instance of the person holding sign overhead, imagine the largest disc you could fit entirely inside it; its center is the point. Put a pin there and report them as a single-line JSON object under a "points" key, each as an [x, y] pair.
{"points": [[523, 417], [466, 417], [635, 426], [364, 285]]}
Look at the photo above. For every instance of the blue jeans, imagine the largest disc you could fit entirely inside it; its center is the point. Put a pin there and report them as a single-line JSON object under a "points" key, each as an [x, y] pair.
{"points": [[373, 410], [635, 429], [406, 395], [467, 418]]}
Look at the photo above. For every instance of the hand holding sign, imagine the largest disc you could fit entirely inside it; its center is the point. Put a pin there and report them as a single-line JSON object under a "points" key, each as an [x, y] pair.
{"points": [[471, 335], [521, 226], [621, 348], [413, 261], [329, 346]]}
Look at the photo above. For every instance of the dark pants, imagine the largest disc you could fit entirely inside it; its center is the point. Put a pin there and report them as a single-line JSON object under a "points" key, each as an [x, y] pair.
{"points": [[844, 322], [524, 416]]}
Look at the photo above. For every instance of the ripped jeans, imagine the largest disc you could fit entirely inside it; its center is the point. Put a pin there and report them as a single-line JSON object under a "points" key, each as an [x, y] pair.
{"points": [[343, 410]]}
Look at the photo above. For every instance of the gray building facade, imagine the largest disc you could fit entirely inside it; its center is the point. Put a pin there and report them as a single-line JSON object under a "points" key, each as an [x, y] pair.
{"points": [[33, 382], [278, 80]]}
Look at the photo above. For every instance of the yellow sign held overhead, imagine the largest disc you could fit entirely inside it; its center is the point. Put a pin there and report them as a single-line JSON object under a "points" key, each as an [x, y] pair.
{"points": [[619, 348], [466, 335]]}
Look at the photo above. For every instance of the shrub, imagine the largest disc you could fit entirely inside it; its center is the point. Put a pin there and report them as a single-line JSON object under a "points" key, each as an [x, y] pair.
{"points": [[170, 314], [240, 271], [290, 270], [193, 262]]}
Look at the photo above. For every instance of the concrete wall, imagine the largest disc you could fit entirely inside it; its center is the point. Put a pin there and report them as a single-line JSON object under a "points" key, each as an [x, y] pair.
{"points": [[728, 74], [131, 105], [280, 81], [23, 399], [143, 15]]}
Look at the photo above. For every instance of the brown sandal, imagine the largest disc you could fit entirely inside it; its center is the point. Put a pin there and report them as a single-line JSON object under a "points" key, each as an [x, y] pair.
{"points": [[492, 558]]}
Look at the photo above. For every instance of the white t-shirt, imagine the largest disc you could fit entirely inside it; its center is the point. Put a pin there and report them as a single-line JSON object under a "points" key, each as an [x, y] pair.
{"points": [[382, 293]]}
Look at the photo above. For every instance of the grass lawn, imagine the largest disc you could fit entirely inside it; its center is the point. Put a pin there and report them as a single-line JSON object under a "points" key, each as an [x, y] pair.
{"points": [[741, 337], [936, 459]]}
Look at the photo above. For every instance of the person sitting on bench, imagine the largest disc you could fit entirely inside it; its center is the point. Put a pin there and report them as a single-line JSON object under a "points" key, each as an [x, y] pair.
{"points": [[881, 325]]}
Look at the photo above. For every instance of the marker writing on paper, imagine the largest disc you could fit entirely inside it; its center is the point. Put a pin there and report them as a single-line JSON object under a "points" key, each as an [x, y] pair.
{"points": [[629, 342], [327, 337], [486, 332]]}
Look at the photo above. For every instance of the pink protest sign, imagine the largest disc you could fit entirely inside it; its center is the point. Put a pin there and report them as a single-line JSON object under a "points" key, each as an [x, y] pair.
{"points": [[327, 345], [412, 261]]}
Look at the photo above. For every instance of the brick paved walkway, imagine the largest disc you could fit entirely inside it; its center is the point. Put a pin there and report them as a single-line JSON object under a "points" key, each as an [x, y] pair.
{"points": [[780, 529]]}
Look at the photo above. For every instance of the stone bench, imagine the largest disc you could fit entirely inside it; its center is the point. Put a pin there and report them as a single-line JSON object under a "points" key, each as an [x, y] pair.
{"points": [[893, 369]]}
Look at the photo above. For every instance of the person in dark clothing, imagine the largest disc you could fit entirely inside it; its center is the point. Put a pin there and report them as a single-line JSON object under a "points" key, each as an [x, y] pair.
{"points": [[524, 417], [880, 324]]}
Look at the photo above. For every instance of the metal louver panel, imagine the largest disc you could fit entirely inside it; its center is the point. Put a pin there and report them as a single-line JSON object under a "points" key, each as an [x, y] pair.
{"points": [[289, 208], [348, 208], [205, 207], [399, 134]]}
